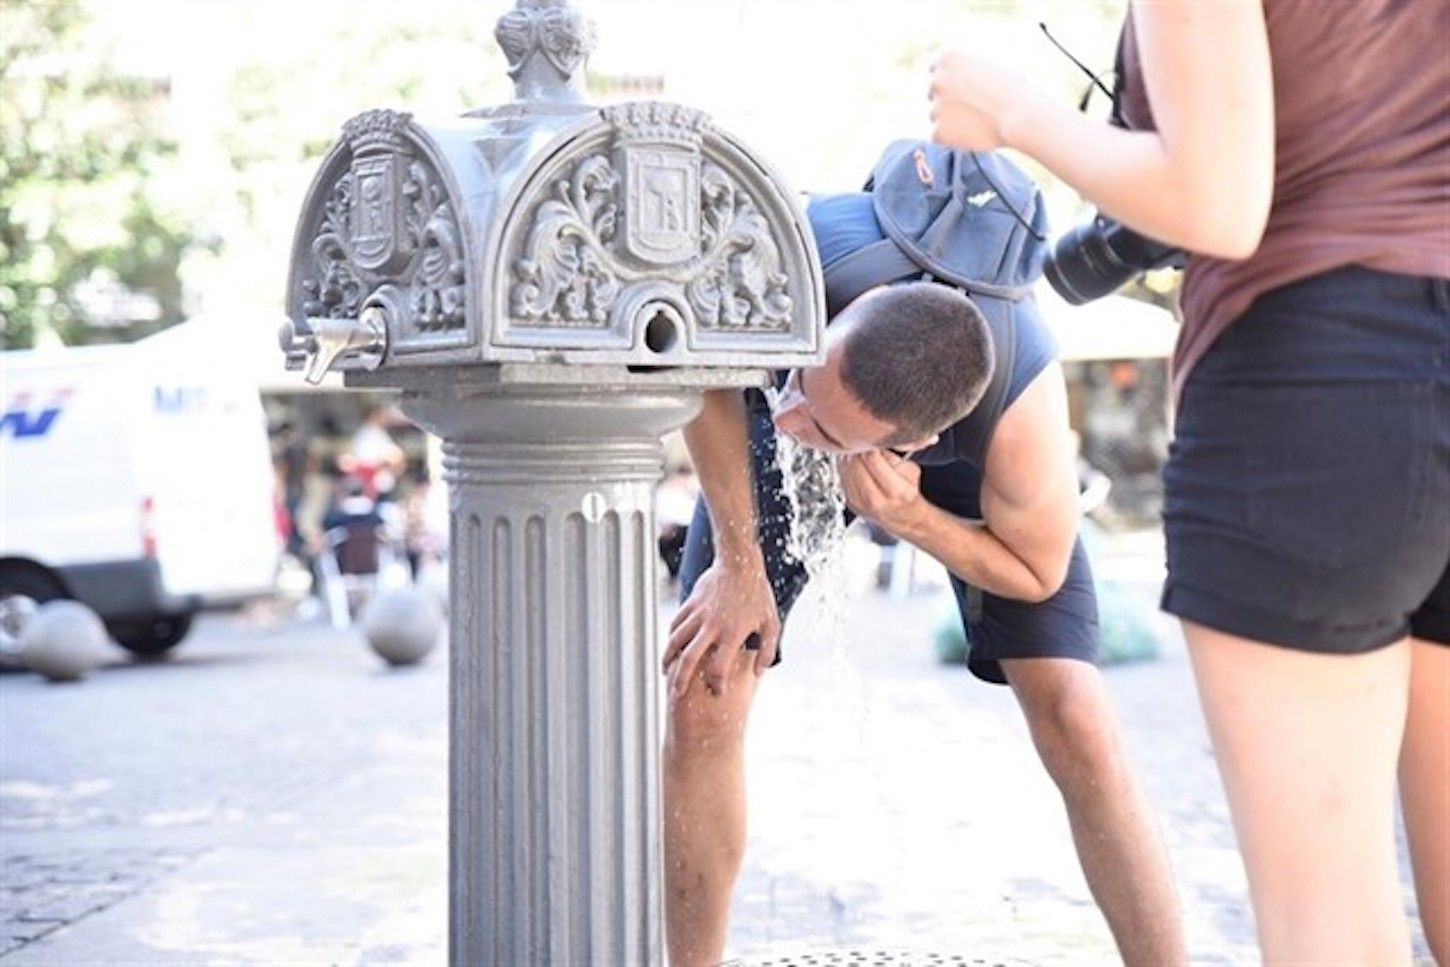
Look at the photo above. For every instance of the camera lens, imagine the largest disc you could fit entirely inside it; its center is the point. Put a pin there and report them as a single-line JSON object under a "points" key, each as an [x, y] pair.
{"points": [[1084, 265]]}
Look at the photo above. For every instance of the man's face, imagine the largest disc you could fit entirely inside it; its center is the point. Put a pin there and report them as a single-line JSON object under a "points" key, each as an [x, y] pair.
{"points": [[818, 410]]}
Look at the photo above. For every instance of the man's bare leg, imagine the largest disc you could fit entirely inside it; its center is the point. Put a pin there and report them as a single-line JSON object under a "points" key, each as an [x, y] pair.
{"points": [[704, 813], [1118, 842], [1307, 745], [1425, 789]]}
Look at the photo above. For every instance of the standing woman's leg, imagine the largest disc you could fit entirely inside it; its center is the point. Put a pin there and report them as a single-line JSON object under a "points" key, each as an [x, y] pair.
{"points": [[1307, 746], [1307, 503], [1425, 789]]}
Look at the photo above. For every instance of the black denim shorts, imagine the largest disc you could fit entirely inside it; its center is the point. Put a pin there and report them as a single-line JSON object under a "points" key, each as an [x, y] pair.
{"points": [[1308, 485], [1063, 626]]}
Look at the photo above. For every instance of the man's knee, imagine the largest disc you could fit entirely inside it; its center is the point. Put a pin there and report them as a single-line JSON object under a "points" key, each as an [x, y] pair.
{"points": [[1073, 726], [702, 724]]}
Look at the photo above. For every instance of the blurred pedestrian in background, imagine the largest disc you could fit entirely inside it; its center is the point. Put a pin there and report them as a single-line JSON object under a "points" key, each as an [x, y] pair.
{"points": [[355, 527], [373, 456], [1301, 152], [423, 543]]}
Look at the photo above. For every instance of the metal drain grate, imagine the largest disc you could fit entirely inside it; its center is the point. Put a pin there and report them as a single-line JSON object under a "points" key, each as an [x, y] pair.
{"points": [[874, 958]]}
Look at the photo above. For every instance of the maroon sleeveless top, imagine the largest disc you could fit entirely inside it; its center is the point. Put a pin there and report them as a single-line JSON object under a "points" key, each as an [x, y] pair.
{"points": [[1361, 155]]}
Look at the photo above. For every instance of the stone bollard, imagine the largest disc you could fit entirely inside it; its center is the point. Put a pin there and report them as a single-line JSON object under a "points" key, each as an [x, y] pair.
{"points": [[552, 286], [402, 625], [64, 640]]}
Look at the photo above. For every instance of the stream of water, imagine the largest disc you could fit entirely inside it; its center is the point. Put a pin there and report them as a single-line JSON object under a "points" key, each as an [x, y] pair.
{"points": [[811, 483]]}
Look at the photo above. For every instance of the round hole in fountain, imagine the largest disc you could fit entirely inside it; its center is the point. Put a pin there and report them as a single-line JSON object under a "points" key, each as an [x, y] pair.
{"points": [[662, 330]]}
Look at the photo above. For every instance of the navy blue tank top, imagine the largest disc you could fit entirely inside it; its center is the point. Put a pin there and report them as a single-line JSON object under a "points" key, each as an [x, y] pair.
{"points": [[844, 223]]}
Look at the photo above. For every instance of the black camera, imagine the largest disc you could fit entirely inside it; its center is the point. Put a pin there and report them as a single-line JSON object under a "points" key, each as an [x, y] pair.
{"points": [[1100, 256]]}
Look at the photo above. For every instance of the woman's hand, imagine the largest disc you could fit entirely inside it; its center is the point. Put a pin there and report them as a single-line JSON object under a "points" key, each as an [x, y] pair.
{"points": [[970, 99], [1202, 181]]}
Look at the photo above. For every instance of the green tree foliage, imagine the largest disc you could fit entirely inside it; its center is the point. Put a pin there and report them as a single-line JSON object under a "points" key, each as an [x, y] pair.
{"points": [[268, 98], [86, 249]]}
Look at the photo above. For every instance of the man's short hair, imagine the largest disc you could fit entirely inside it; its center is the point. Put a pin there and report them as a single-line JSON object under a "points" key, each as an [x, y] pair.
{"points": [[918, 356]]}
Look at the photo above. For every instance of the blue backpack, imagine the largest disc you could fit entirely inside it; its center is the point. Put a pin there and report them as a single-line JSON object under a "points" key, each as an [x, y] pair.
{"points": [[967, 219]]}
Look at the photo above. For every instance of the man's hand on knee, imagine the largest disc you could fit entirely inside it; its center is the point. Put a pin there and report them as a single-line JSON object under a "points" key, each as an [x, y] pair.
{"points": [[730, 610]]}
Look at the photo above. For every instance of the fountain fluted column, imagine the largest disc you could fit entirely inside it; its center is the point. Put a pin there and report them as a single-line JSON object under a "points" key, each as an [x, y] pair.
{"points": [[554, 747]]}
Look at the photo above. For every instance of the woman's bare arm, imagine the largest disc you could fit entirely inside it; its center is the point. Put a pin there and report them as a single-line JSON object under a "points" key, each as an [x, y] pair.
{"points": [[1203, 180]]}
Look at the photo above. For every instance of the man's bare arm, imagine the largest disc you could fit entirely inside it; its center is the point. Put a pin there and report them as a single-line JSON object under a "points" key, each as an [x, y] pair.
{"points": [[719, 443], [1022, 547], [732, 599]]}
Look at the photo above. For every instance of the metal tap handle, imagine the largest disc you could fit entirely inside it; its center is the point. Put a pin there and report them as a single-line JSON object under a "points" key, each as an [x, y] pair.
{"points": [[325, 339], [297, 343]]}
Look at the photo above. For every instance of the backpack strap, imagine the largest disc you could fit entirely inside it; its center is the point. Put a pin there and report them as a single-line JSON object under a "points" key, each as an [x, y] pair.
{"points": [[973, 436], [855, 272]]}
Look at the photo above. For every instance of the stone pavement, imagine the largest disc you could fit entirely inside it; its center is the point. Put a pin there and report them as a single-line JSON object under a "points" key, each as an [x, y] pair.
{"points": [[263, 798], [276, 797]]}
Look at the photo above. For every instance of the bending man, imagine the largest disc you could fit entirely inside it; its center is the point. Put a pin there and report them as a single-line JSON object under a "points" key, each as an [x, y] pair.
{"points": [[987, 488]]}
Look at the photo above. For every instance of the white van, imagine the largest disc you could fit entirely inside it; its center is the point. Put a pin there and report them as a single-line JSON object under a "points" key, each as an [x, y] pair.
{"points": [[136, 479]]}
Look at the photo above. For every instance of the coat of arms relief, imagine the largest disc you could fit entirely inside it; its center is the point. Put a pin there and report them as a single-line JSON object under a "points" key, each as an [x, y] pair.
{"points": [[387, 222]]}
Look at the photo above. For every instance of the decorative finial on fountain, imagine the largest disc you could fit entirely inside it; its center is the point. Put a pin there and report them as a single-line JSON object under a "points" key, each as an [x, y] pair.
{"points": [[546, 43]]}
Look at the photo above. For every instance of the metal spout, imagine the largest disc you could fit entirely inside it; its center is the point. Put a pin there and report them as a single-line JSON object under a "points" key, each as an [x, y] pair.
{"points": [[318, 343]]}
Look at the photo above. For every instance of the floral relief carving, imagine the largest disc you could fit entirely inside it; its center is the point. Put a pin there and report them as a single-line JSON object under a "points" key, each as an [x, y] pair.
{"points": [[740, 283], [436, 293], [333, 289], [567, 276], [572, 266]]}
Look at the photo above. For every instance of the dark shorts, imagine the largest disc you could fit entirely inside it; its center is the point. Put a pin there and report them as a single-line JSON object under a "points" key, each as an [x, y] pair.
{"points": [[1063, 626], [1308, 486]]}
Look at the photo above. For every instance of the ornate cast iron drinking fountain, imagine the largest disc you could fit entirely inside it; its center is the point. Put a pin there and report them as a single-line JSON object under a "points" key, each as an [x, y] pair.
{"points": [[552, 285]]}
